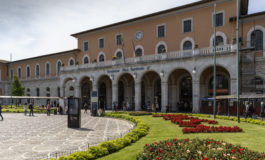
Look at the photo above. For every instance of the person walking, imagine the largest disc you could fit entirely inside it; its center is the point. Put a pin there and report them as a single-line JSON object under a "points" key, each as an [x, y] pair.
{"points": [[86, 107], [31, 113], [246, 109], [48, 108], [1, 112], [262, 111], [25, 109]]}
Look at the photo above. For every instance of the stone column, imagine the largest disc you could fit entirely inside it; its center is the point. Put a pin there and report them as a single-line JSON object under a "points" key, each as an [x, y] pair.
{"points": [[62, 91], [77, 91], [137, 96], [196, 96], [164, 96], [233, 86], [174, 98], [114, 93]]}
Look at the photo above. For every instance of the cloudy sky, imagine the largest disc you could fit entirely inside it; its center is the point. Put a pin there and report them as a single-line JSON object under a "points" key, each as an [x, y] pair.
{"points": [[31, 28]]}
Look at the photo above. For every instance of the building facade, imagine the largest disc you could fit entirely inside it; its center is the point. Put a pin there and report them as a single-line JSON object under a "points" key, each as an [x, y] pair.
{"points": [[162, 59]]}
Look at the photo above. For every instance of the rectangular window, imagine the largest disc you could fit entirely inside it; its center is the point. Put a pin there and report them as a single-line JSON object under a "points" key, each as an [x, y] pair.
{"points": [[47, 69], [119, 39], [11, 74], [187, 26], [19, 72], [161, 31], [0, 75], [219, 19], [58, 92], [28, 72], [37, 70], [86, 46], [38, 92], [101, 43]]}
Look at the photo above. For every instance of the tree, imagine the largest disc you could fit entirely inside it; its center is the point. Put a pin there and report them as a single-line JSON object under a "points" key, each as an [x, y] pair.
{"points": [[17, 88]]}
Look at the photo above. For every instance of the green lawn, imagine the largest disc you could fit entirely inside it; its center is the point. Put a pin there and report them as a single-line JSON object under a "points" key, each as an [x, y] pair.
{"points": [[253, 136]]}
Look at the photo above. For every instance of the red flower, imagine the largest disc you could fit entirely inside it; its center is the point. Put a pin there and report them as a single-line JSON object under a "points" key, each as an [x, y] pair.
{"points": [[146, 144], [158, 158], [217, 142], [175, 139], [206, 158], [155, 143], [209, 142], [186, 140], [159, 150], [233, 151], [168, 144], [151, 149]]}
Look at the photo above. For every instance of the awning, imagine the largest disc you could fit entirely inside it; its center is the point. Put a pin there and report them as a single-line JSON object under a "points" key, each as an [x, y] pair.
{"points": [[242, 96], [27, 97]]}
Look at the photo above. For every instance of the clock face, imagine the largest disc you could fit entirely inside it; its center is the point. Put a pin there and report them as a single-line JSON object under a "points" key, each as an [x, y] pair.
{"points": [[138, 35]]}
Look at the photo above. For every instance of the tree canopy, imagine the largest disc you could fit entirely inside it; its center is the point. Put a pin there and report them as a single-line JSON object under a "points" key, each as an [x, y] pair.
{"points": [[17, 88]]}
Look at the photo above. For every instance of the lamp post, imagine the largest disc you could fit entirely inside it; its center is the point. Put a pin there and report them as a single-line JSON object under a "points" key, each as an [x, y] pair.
{"points": [[214, 68], [237, 63], [11, 79]]}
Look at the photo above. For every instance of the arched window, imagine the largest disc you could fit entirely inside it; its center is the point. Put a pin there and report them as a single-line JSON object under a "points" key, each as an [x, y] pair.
{"points": [[219, 41], [47, 69], [187, 45], [59, 65], [257, 39], [222, 85], [138, 52], [28, 71], [258, 81], [101, 58], [161, 49], [119, 55], [71, 62], [86, 60], [37, 72]]}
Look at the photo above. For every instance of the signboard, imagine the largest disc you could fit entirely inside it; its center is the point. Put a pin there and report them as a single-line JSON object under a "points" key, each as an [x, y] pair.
{"points": [[74, 113], [94, 96], [94, 103]]}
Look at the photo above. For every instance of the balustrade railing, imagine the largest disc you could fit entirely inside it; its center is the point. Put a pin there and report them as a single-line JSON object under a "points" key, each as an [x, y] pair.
{"points": [[156, 57]]}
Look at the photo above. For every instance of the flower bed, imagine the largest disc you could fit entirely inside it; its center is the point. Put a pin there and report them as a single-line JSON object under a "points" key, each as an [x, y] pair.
{"points": [[139, 113], [188, 149], [195, 125]]}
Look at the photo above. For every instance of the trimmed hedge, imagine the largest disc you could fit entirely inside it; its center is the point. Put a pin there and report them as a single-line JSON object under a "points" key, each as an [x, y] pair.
{"points": [[109, 147], [140, 113], [9, 110]]}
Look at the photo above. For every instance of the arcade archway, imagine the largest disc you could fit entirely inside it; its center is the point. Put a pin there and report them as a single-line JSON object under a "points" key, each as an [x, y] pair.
{"points": [[151, 91], [180, 91], [126, 91], [104, 92], [86, 87]]}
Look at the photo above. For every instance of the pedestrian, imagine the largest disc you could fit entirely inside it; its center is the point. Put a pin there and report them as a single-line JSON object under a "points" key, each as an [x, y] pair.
{"points": [[25, 109], [251, 110], [86, 107], [262, 111], [48, 108], [1, 112], [219, 108], [31, 113]]}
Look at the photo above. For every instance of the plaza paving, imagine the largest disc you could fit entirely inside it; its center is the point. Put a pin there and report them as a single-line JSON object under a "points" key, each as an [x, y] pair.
{"points": [[23, 137]]}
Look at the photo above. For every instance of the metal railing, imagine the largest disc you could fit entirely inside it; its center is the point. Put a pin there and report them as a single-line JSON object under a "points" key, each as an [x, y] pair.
{"points": [[157, 57]]}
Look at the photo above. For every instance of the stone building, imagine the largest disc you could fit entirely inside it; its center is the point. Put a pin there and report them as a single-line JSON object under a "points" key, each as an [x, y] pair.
{"points": [[162, 59]]}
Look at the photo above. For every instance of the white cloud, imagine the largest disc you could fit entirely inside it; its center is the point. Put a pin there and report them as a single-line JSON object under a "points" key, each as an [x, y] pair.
{"points": [[36, 27]]}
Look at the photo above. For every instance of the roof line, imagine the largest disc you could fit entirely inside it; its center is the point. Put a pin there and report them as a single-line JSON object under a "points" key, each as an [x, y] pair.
{"points": [[143, 17], [47, 55]]}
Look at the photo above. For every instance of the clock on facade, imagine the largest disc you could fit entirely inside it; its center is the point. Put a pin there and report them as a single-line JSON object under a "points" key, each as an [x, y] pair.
{"points": [[138, 35]]}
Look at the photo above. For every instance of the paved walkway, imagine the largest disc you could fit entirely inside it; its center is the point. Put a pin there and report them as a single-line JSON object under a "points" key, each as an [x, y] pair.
{"points": [[31, 138]]}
